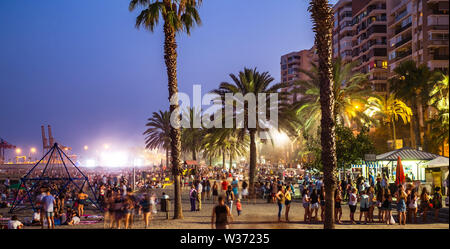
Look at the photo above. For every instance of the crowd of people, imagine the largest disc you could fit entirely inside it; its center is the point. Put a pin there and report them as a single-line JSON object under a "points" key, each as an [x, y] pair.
{"points": [[123, 202]]}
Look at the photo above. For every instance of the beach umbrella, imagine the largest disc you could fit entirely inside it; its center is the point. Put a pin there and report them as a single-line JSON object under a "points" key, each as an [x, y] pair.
{"points": [[400, 173]]}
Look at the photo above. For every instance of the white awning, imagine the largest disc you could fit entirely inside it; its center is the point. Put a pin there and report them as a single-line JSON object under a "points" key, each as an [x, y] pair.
{"points": [[437, 162]]}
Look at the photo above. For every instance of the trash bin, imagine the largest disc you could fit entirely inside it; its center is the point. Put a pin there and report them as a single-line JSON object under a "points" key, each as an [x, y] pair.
{"points": [[165, 207]]}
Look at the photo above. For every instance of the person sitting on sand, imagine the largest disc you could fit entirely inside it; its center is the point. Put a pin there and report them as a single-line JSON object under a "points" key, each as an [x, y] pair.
{"points": [[14, 223], [75, 219]]}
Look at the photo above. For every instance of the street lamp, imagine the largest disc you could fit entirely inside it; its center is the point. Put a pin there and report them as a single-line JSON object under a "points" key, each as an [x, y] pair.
{"points": [[86, 147], [18, 151]]}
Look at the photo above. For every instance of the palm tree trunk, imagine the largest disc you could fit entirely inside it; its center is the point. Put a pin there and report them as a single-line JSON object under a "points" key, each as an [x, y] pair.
{"points": [[391, 135], [170, 58], [416, 125], [252, 170], [231, 159], [223, 160], [394, 135], [167, 158], [322, 15], [421, 119], [210, 160], [411, 133]]}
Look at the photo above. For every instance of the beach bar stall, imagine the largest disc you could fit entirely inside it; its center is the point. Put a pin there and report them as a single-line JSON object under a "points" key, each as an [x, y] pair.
{"points": [[413, 162], [436, 171]]}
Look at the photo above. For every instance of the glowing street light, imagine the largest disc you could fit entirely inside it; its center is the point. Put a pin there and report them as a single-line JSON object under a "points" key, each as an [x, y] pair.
{"points": [[18, 151], [106, 146], [33, 150], [86, 147]]}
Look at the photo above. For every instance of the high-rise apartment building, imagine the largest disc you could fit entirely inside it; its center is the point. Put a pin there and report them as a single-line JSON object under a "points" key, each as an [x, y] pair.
{"points": [[418, 31], [342, 30], [369, 42], [292, 63]]}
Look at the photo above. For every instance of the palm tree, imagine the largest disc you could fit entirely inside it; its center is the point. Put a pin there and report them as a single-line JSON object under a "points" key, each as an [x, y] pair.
{"points": [[411, 83], [158, 133], [350, 91], [178, 16], [250, 81], [439, 99], [191, 137], [389, 110], [322, 17]]}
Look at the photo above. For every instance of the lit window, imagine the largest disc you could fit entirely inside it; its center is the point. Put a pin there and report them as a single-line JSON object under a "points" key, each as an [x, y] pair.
{"points": [[384, 64]]}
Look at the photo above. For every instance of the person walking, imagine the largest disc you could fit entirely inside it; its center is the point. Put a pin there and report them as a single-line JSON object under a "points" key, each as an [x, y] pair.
{"points": [[230, 198], [49, 203], [280, 201], [81, 202], [337, 205], [314, 206], [412, 205], [220, 215], [145, 205], [215, 191], [193, 195], [287, 202], [353, 199], [372, 202], [437, 202], [387, 206], [424, 204], [401, 205], [380, 201], [238, 207], [364, 206], [306, 202], [235, 186]]}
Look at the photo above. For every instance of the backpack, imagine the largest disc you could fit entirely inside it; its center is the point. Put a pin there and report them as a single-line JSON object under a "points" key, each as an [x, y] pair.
{"points": [[194, 194]]}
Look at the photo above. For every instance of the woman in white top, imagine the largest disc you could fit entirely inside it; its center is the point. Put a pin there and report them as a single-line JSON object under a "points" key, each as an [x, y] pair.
{"points": [[412, 205], [353, 199]]}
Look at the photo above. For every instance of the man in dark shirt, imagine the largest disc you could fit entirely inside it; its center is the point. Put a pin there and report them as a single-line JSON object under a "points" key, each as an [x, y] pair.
{"points": [[220, 214]]}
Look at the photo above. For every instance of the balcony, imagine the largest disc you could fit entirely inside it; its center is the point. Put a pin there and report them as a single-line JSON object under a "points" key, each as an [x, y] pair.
{"points": [[403, 41], [438, 28], [397, 31], [438, 42], [402, 55], [440, 57], [400, 16]]}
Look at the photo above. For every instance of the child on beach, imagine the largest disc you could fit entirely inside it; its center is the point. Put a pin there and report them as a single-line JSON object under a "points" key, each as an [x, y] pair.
{"points": [[238, 206]]}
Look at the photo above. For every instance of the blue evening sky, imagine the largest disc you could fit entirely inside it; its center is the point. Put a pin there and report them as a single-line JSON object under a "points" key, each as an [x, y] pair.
{"points": [[82, 67]]}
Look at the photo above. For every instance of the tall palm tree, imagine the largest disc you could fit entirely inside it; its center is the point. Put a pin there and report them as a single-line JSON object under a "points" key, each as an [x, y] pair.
{"points": [[253, 82], [322, 17], [178, 16], [350, 91], [412, 83], [389, 110], [158, 133]]}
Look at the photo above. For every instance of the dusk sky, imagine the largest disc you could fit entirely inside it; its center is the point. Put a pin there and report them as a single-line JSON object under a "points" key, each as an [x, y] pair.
{"points": [[82, 66]]}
